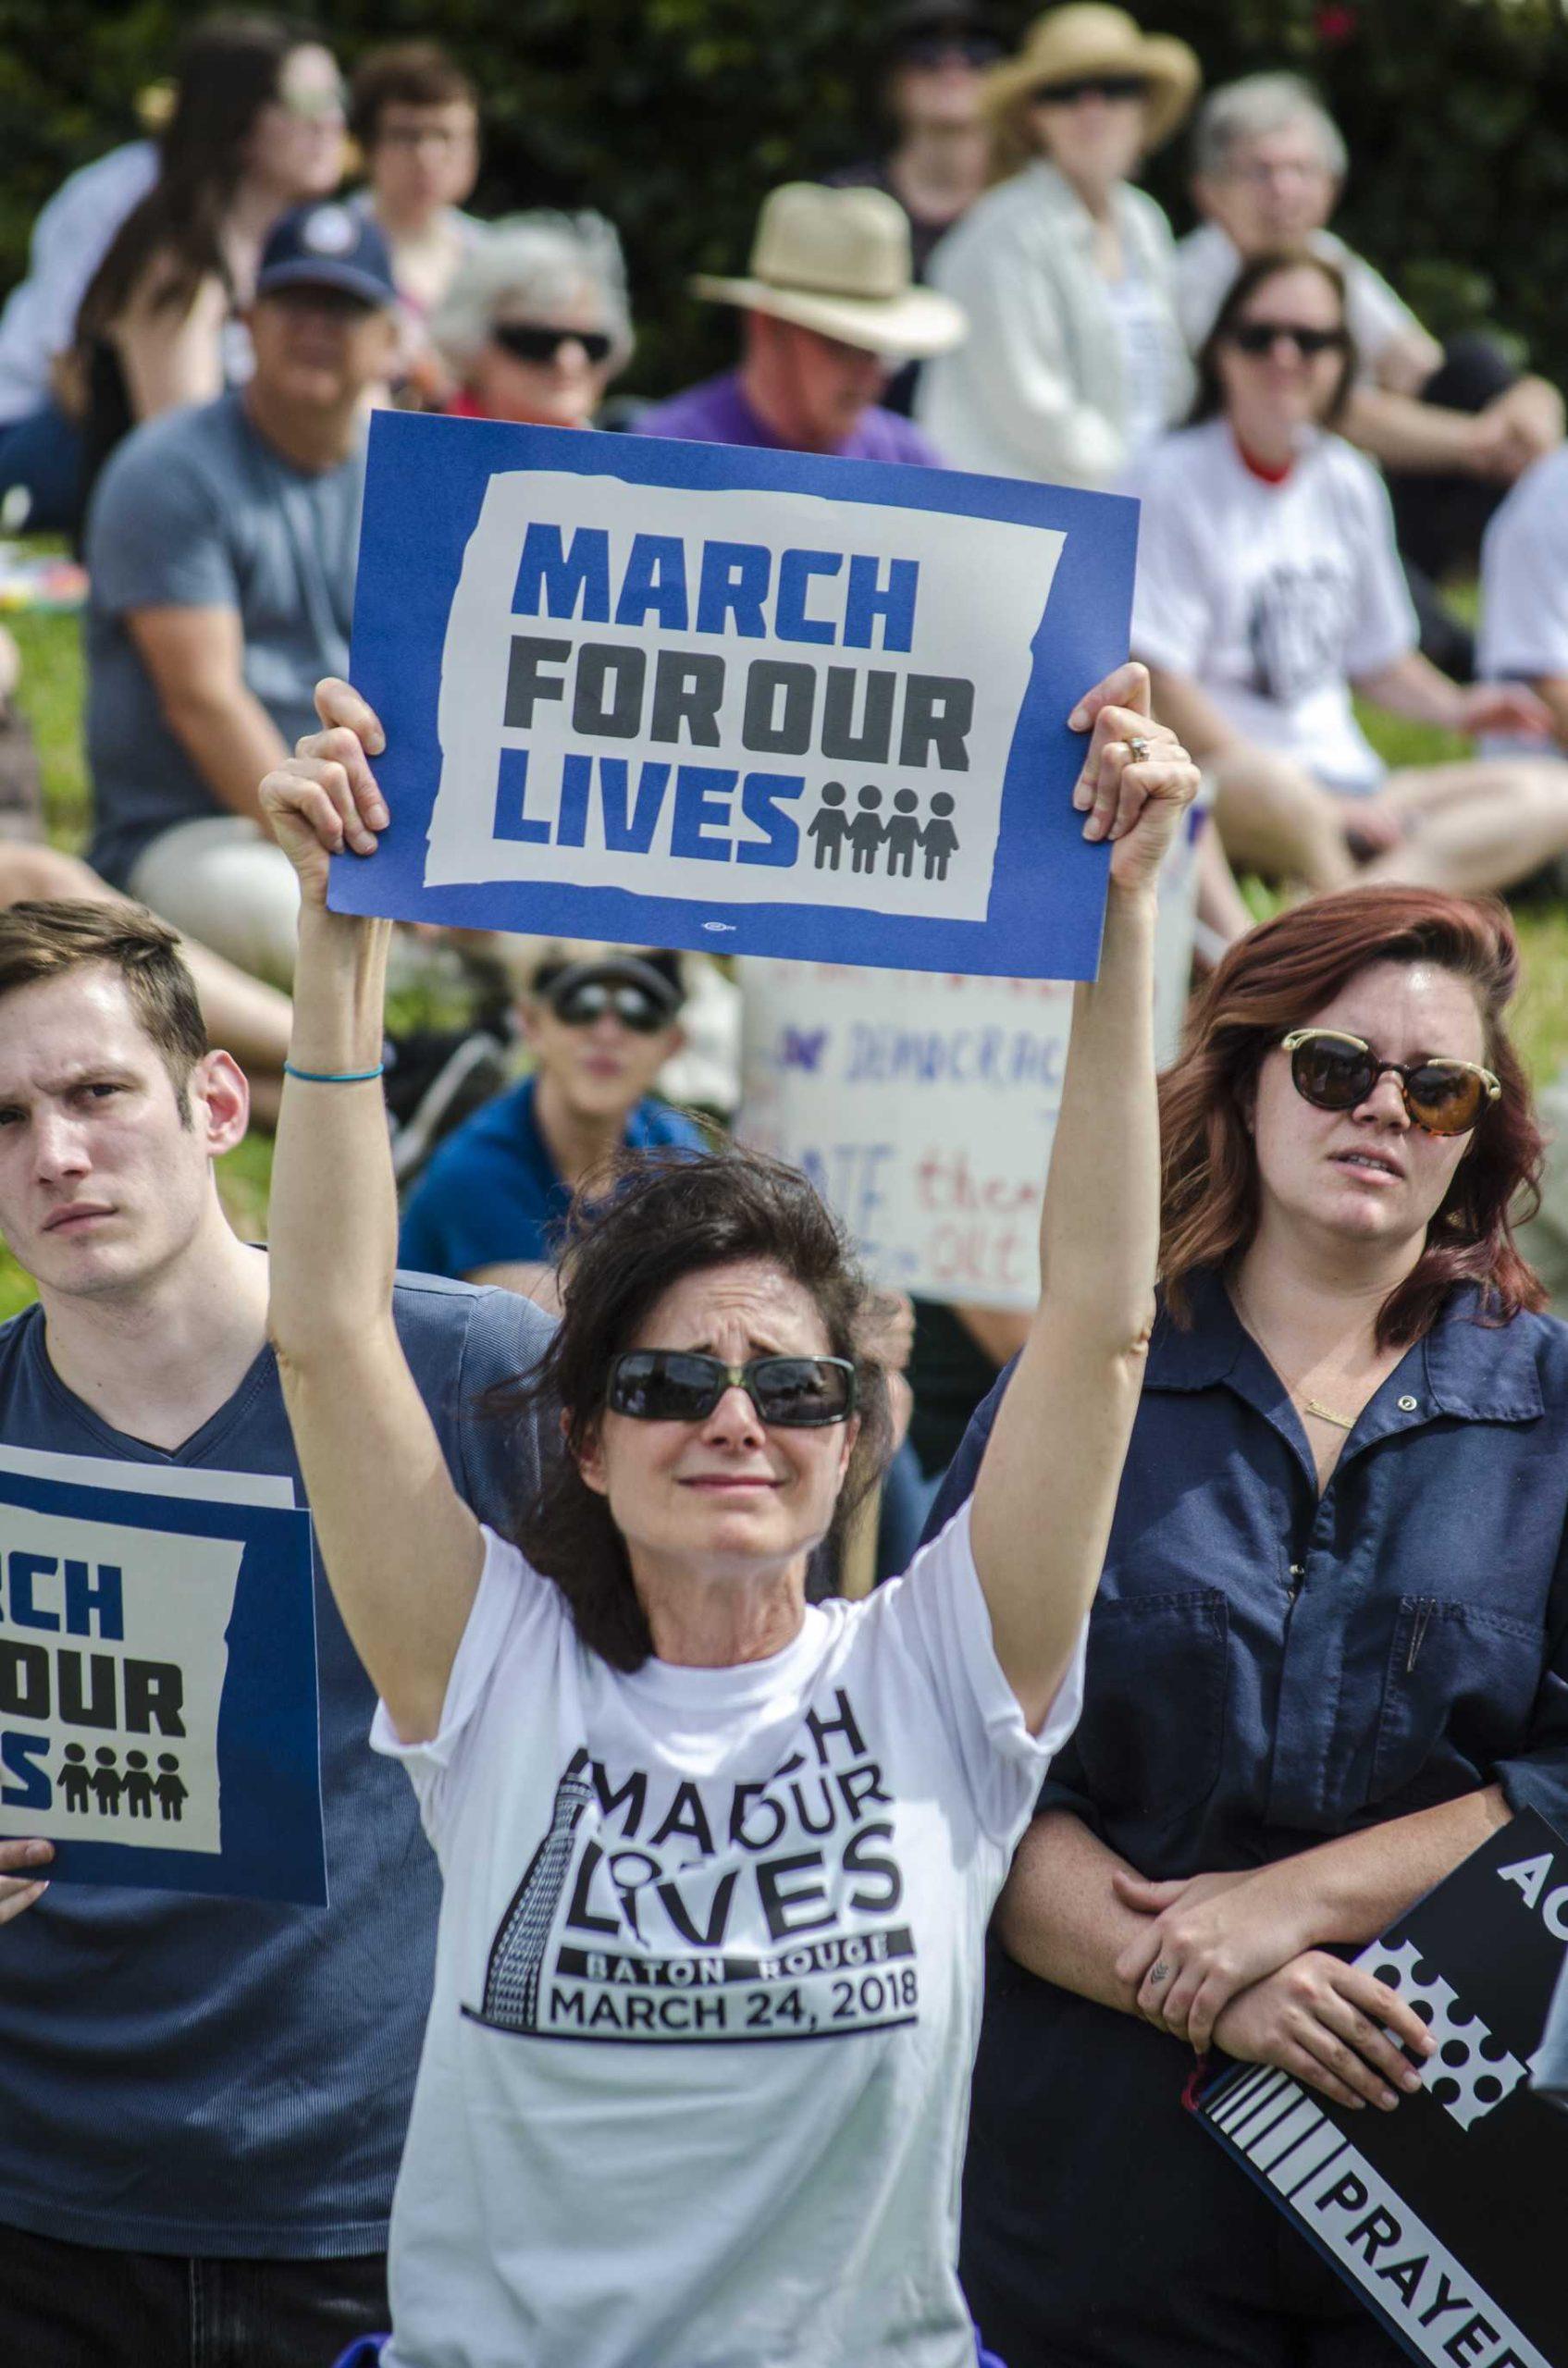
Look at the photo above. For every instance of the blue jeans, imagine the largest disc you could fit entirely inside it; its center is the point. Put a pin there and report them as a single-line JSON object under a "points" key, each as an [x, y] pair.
{"points": [[77, 2306]]}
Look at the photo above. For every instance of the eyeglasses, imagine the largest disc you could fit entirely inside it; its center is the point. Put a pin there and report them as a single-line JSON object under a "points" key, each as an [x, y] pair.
{"points": [[1334, 1071], [444, 138], [1262, 337], [935, 49], [1091, 86], [631, 1004], [678, 1386], [532, 341]]}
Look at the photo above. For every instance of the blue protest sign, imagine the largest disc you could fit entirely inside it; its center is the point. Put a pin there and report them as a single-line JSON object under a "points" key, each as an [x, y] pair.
{"points": [[752, 702], [159, 1715]]}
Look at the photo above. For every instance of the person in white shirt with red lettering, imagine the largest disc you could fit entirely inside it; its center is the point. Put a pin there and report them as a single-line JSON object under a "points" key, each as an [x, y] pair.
{"points": [[1269, 590], [717, 1863]]}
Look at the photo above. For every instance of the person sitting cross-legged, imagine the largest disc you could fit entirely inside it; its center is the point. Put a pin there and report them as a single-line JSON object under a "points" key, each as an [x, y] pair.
{"points": [[600, 1029], [1269, 590]]}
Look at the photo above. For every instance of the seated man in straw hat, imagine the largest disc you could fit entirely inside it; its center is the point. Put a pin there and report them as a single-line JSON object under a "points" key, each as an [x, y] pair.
{"points": [[830, 308]]}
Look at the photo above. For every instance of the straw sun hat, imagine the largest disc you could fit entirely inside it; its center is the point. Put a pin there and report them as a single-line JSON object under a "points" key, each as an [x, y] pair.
{"points": [[837, 260], [1079, 43]]}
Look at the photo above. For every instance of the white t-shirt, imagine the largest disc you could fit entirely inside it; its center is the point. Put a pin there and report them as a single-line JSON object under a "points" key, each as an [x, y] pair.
{"points": [[708, 1986], [1208, 262], [1524, 628], [1142, 324], [1273, 597], [70, 238]]}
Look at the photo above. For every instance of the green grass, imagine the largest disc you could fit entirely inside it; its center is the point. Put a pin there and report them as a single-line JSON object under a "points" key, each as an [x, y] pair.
{"points": [[51, 696]]}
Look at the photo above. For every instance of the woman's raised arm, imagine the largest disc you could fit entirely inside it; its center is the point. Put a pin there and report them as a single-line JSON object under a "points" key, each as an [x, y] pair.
{"points": [[1047, 1486], [402, 1551]]}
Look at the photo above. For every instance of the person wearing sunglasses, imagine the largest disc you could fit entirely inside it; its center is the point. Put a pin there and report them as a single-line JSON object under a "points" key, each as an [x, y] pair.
{"points": [[934, 54], [717, 1862], [1329, 1652], [491, 1204], [1075, 358], [535, 323], [1269, 591]]}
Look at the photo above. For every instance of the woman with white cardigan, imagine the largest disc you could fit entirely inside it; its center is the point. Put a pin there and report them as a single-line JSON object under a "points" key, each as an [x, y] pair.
{"points": [[1074, 357]]}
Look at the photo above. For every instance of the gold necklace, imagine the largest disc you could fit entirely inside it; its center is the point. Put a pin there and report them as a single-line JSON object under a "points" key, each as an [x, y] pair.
{"points": [[1293, 1388]]}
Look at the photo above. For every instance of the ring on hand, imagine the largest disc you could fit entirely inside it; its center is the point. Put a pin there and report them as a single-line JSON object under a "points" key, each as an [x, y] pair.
{"points": [[1160, 1973], [1139, 751]]}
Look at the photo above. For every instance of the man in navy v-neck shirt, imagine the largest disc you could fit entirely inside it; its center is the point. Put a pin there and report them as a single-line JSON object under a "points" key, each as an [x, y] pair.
{"points": [[202, 2100]]}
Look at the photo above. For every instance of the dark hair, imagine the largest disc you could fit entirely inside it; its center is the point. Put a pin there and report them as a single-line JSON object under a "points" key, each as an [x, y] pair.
{"points": [[404, 74], [1209, 401], [653, 1219], [40, 940], [1275, 979], [229, 69]]}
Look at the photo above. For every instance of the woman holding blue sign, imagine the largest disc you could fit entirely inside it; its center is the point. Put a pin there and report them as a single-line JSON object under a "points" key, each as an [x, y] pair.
{"points": [[717, 1863]]}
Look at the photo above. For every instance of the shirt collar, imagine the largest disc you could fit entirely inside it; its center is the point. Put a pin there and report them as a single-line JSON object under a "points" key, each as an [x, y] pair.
{"points": [[1482, 1373]]}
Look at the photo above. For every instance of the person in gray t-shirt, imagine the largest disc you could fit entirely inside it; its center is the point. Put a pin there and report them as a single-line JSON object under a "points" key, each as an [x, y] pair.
{"points": [[220, 545]]}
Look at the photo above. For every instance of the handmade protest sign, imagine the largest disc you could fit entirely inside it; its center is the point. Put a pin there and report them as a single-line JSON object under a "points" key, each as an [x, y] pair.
{"points": [[752, 702], [1445, 2216], [923, 1107], [157, 1685]]}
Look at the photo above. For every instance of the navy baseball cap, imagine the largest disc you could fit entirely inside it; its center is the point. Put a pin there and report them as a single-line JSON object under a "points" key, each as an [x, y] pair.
{"points": [[328, 246]]}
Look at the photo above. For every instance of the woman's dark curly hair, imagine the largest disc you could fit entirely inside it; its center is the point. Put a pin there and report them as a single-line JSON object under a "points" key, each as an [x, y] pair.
{"points": [[637, 1229]]}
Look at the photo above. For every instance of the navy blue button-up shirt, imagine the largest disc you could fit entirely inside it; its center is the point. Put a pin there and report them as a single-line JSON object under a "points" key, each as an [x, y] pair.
{"points": [[1267, 1666]]}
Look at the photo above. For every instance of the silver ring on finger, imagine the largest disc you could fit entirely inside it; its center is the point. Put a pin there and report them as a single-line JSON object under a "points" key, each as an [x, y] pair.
{"points": [[1139, 751]]}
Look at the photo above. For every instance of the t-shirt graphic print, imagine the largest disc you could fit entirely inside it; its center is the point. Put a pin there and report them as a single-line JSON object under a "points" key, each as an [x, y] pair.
{"points": [[708, 1985], [623, 1879]]}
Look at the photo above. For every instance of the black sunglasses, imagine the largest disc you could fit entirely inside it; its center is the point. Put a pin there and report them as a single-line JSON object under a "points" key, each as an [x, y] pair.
{"points": [[1262, 337], [1334, 1071], [1091, 86], [931, 50], [624, 1001], [681, 1385], [532, 341]]}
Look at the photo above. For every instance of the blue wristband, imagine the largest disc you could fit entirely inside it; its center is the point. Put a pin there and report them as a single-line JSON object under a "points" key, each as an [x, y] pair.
{"points": [[334, 1077]]}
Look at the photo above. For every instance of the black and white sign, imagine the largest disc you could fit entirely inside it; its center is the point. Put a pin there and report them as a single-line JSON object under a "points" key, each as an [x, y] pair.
{"points": [[1447, 2214]]}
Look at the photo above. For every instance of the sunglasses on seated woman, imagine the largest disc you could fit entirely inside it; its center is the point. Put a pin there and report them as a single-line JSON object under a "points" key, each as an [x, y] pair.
{"points": [[682, 1385], [533, 341], [1335, 1071]]}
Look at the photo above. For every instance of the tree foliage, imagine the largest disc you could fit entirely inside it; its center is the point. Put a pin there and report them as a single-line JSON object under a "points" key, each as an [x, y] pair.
{"points": [[673, 115]]}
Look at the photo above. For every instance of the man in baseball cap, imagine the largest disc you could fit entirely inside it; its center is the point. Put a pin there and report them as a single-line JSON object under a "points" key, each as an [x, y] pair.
{"points": [[830, 308], [221, 544], [600, 1022]]}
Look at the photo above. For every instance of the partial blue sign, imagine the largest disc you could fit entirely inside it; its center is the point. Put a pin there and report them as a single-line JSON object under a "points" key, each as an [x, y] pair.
{"points": [[158, 1718], [750, 702]]}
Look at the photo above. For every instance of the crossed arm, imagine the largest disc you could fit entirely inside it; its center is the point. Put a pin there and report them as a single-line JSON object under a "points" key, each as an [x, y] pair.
{"points": [[1241, 1957]]}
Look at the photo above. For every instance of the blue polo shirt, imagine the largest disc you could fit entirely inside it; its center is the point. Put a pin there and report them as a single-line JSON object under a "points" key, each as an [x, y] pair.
{"points": [[229, 2077], [491, 1196], [1267, 1667]]}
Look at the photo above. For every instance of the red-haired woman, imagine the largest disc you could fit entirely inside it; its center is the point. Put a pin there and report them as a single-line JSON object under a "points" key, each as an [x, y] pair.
{"points": [[1329, 1655]]}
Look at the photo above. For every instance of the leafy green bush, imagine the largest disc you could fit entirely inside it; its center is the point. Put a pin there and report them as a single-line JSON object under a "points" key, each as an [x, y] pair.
{"points": [[672, 117]]}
